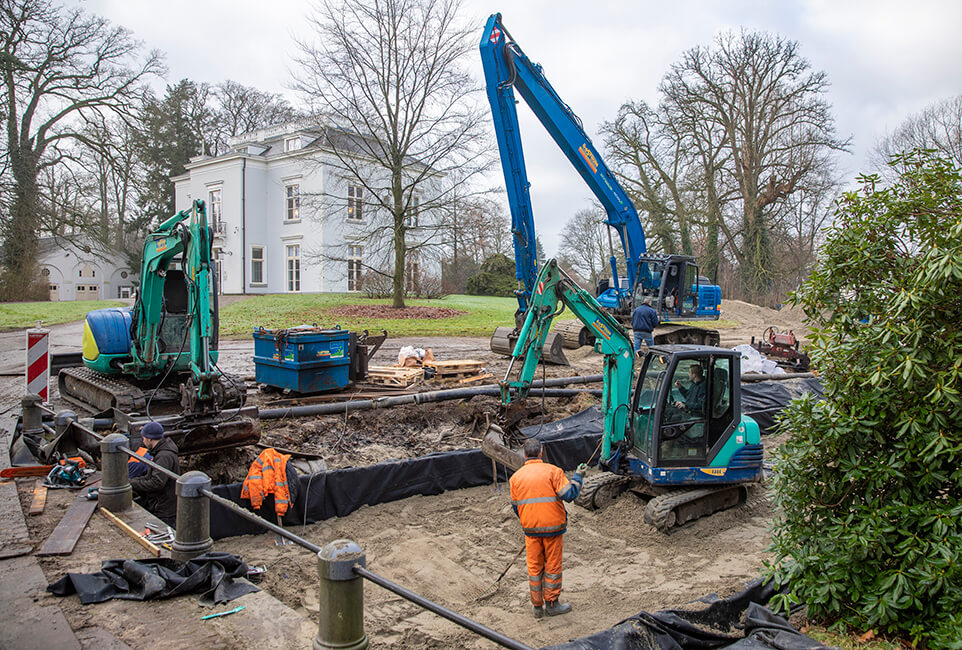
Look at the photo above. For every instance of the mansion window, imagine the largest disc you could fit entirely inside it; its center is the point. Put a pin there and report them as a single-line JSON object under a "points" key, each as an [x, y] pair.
{"points": [[293, 197], [355, 254], [355, 196]]}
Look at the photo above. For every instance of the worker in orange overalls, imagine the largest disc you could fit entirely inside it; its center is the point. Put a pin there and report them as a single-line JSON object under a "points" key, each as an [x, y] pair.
{"points": [[537, 492]]}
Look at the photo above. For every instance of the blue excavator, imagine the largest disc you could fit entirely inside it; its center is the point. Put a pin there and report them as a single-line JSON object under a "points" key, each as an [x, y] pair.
{"points": [[671, 282], [678, 438], [164, 348]]}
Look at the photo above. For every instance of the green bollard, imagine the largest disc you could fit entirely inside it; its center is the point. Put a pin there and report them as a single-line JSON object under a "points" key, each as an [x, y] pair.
{"points": [[192, 534], [340, 621], [115, 493]]}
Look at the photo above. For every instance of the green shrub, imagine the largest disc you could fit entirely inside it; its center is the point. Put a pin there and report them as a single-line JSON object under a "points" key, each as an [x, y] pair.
{"points": [[496, 278], [869, 487]]}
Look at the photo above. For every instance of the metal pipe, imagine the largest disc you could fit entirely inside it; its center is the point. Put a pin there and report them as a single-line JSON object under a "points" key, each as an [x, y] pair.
{"points": [[444, 612]]}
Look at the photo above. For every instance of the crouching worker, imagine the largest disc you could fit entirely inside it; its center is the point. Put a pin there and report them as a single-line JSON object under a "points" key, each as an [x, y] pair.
{"points": [[153, 489], [537, 492]]}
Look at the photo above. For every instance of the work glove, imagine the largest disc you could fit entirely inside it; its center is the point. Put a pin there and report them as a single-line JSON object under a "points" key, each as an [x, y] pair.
{"points": [[582, 468]]}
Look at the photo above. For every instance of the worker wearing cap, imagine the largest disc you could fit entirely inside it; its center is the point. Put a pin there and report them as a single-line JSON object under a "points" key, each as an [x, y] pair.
{"points": [[155, 490], [537, 491]]}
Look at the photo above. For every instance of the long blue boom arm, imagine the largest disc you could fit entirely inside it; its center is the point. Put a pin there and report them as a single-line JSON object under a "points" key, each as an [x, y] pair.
{"points": [[507, 68]]}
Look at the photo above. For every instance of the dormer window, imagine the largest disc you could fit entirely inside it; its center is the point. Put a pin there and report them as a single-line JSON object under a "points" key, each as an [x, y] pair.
{"points": [[292, 144]]}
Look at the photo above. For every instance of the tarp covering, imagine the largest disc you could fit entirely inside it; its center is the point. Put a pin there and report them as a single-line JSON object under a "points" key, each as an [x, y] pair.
{"points": [[567, 443], [211, 575], [741, 622]]}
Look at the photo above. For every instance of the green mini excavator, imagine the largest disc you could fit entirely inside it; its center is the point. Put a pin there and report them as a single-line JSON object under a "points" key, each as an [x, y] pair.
{"points": [[166, 345], [678, 438]]}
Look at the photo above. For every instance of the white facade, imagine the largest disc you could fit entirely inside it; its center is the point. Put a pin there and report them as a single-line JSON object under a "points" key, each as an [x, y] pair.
{"points": [[263, 200], [76, 273]]}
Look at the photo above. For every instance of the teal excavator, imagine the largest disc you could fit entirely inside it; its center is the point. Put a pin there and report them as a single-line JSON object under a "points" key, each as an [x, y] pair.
{"points": [[678, 438], [164, 348]]}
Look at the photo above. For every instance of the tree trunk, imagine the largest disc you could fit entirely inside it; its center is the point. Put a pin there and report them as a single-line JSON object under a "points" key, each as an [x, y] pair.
{"points": [[755, 269], [21, 242]]}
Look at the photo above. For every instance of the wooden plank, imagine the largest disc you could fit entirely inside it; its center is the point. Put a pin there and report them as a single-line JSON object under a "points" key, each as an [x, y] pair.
{"points": [[137, 537], [64, 537], [39, 498], [457, 367], [475, 379], [391, 376]]}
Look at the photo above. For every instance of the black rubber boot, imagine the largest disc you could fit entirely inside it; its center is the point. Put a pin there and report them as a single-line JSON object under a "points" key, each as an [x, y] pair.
{"points": [[554, 608], [538, 611]]}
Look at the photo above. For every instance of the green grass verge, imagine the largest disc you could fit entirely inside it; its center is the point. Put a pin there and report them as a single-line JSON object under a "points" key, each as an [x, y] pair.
{"points": [[484, 313], [18, 315]]}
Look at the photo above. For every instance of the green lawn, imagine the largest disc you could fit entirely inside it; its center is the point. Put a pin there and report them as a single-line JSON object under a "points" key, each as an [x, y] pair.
{"points": [[18, 315], [276, 311]]}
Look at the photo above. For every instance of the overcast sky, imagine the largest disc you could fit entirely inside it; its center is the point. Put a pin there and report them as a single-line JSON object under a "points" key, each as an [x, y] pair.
{"points": [[885, 59]]}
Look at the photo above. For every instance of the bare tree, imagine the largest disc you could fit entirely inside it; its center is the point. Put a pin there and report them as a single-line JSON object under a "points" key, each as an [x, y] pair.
{"points": [[938, 127], [62, 69], [386, 78], [777, 130], [583, 243], [241, 109]]}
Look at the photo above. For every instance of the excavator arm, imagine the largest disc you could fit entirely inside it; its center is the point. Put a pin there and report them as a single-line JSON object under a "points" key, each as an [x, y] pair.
{"points": [[187, 235], [554, 292], [507, 68]]}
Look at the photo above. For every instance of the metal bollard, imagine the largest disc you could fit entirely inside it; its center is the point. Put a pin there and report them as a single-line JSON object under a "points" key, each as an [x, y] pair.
{"points": [[340, 621], [62, 420], [192, 536], [32, 415], [115, 493]]}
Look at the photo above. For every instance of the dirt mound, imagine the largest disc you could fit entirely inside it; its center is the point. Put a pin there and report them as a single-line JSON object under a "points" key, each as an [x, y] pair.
{"points": [[388, 312]]}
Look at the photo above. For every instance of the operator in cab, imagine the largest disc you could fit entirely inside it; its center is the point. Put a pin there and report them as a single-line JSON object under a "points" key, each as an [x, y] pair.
{"points": [[155, 491], [694, 394], [537, 491]]}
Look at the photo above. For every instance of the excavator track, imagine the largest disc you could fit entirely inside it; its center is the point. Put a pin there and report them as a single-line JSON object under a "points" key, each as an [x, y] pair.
{"points": [[678, 507], [98, 392], [672, 334], [573, 334], [600, 490]]}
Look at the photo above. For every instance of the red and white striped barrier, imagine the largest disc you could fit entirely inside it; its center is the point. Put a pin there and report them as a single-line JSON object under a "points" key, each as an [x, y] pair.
{"points": [[38, 361]]}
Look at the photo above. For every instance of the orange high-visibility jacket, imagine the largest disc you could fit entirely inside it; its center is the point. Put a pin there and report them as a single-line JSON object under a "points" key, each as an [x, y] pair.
{"points": [[537, 490], [268, 475]]}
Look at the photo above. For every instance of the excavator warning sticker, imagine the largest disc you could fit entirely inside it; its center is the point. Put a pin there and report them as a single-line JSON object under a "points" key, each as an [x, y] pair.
{"points": [[602, 329], [714, 471], [161, 245], [495, 35], [540, 288], [589, 157]]}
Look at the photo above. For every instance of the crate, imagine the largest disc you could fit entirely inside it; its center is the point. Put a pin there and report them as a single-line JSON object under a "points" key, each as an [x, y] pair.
{"points": [[455, 369], [393, 376], [302, 359]]}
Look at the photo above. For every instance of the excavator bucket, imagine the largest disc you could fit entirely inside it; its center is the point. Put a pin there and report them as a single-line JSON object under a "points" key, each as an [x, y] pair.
{"points": [[200, 434], [492, 446], [504, 339]]}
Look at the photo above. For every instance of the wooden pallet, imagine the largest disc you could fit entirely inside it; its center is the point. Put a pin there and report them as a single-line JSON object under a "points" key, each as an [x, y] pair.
{"points": [[391, 376], [460, 368]]}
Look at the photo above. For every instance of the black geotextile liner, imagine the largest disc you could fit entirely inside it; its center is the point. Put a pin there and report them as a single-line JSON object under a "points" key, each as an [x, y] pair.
{"points": [[567, 443], [763, 400], [741, 621], [211, 575]]}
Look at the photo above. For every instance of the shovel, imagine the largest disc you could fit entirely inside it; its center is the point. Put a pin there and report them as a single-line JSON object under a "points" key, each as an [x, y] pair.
{"points": [[493, 589], [280, 540]]}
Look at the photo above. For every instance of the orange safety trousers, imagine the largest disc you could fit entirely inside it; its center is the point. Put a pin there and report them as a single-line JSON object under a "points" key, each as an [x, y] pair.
{"points": [[544, 568]]}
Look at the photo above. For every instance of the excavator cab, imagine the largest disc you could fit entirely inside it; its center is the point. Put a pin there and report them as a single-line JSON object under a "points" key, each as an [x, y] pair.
{"points": [[685, 417]]}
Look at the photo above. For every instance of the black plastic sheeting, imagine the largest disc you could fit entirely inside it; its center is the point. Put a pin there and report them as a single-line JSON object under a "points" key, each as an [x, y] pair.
{"points": [[741, 622], [211, 575], [567, 443]]}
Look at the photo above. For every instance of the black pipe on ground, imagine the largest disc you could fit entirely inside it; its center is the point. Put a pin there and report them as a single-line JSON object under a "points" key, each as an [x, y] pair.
{"points": [[415, 398]]}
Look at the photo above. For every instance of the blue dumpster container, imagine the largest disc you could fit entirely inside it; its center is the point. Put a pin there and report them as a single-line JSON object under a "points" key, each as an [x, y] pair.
{"points": [[302, 359]]}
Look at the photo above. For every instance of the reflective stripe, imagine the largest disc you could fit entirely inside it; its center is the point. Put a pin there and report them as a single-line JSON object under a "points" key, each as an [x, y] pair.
{"points": [[552, 576], [255, 477], [534, 590], [520, 502], [552, 584], [545, 529]]}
